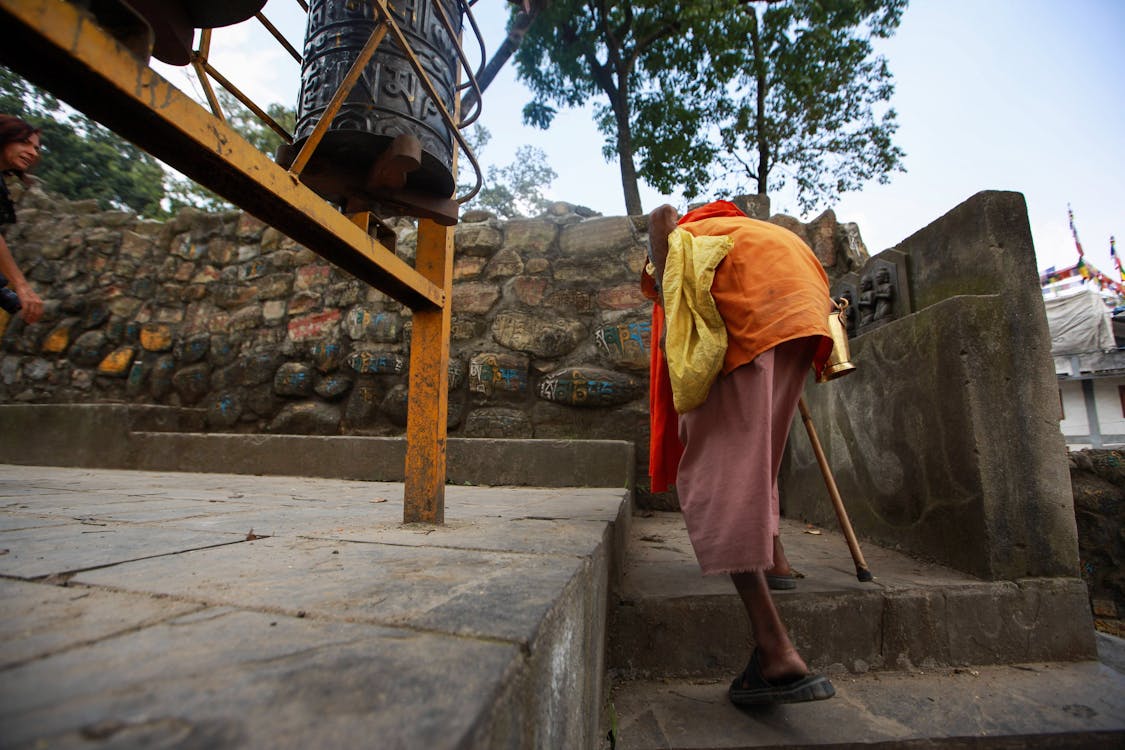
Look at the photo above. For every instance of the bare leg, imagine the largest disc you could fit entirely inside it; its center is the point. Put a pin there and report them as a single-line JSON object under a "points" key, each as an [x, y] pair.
{"points": [[781, 566], [778, 655]]}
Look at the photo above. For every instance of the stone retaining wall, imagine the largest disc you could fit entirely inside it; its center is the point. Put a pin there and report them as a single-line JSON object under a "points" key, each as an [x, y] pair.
{"points": [[550, 334]]}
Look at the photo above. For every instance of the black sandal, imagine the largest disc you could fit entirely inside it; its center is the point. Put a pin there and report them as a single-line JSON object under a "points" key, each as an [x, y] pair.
{"points": [[759, 692]]}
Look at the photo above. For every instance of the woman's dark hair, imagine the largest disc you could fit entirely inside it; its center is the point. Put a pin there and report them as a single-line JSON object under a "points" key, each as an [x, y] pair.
{"points": [[14, 129]]}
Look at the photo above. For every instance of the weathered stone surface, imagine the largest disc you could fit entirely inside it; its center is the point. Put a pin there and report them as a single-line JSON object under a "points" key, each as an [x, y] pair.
{"points": [[529, 290], [137, 378], [160, 380], [117, 362], [367, 324], [156, 337], [258, 367], [293, 379], [622, 297], [534, 236], [480, 239], [464, 327], [192, 383], [362, 406], [822, 237], [87, 349], [498, 423], [539, 336], [394, 405], [474, 298], [306, 418], [589, 387], [503, 264], [223, 350], [377, 362], [58, 339], [491, 373], [312, 278], [314, 326], [224, 411], [468, 267], [626, 344], [327, 355], [333, 386], [606, 237]]}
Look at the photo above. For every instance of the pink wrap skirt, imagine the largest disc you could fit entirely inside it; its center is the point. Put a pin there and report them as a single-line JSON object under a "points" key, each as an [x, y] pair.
{"points": [[733, 445]]}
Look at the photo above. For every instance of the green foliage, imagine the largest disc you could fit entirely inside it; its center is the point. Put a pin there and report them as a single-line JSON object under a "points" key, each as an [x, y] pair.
{"points": [[81, 159], [724, 96], [785, 93], [579, 50], [516, 190]]}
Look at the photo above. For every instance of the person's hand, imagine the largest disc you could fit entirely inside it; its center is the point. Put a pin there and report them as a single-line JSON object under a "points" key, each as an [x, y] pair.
{"points": [[32, 304]]}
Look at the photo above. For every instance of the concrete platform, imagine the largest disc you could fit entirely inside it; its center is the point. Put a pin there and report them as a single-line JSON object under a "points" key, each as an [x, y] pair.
{"points": [[1039, 705], [671, 621], [150, 609]]}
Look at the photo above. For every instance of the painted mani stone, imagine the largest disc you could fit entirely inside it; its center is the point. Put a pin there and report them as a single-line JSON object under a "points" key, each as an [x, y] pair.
{"points": [[377, 363], [626, 344], [588, 386], [491, 373]]}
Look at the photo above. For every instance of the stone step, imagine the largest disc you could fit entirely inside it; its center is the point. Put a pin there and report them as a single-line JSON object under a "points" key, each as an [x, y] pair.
{"points": [[1049, 705], [671, 621]]}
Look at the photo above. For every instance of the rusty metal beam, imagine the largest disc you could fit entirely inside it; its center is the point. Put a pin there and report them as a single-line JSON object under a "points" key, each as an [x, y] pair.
{"points": [[60, 48]]}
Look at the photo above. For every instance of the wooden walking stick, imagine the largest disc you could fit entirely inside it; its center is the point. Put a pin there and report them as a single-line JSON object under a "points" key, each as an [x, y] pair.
{"points": [[861, 570]]}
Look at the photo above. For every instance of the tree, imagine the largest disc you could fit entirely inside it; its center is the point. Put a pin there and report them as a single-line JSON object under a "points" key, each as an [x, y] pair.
{"points": [[777, 92], [82, 159], [698, 94], [580, 49], [512, 191]]}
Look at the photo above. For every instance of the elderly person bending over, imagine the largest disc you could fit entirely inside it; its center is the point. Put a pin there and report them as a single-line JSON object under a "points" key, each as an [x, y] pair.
{"points": [[772, 295]]}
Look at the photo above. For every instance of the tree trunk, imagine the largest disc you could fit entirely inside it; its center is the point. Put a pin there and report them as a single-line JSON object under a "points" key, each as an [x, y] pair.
{"points": [[761, 86]]}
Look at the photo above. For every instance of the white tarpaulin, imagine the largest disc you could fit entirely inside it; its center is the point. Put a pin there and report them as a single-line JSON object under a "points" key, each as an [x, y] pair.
{"points": [[1079, 322]]}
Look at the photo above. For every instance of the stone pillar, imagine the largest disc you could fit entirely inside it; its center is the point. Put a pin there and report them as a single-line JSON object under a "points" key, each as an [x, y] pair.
{"points": [[945, 442]]}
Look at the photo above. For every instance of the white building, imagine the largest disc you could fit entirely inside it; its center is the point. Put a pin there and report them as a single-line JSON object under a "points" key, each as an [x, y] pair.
{"points": [[1089, 365]]}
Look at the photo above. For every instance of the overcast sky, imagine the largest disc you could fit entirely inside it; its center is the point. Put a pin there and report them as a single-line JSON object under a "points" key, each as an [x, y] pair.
{"points": [[1023, 95]]}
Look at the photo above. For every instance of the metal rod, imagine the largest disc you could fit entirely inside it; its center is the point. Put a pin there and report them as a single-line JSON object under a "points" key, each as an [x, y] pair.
{"points": [[342, 91], [861, 570]]}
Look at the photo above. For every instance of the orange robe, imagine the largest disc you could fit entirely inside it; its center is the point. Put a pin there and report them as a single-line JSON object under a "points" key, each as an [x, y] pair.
{"points": [[769, 289]]}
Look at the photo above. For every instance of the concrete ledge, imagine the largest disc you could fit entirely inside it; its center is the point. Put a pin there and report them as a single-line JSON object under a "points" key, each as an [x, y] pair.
{"points": [[118, 436], [334, 624]]}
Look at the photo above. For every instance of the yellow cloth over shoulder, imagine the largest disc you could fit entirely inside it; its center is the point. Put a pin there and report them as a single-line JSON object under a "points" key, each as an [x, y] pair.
{"points": [[695, 339]]}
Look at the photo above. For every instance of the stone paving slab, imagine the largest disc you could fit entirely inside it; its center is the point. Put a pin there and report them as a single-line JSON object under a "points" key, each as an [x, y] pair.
{"points": [[465, 592], [1060, 705], [223, 677], [139, 612]]}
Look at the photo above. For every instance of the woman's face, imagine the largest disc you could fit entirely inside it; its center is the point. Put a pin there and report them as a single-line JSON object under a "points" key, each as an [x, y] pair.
{"points": [[20, 155]]}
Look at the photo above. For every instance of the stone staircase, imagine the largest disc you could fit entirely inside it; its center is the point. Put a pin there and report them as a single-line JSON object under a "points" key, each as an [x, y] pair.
{"points": [[923, 656]]}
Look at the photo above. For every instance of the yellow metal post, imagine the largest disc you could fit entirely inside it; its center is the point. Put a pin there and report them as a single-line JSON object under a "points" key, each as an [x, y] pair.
{"points": [[428, 406]]}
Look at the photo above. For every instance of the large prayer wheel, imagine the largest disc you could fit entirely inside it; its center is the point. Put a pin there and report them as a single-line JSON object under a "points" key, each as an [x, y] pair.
{"points": [[388, 150]]}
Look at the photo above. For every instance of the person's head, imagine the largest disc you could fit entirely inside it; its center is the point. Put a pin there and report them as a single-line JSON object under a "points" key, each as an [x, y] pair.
{"points": [[19, 144]]}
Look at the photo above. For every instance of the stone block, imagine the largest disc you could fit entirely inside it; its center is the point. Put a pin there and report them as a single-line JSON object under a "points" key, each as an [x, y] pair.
{"points": [[307, 418], [58, 339], [192, 383], [375, 362], [535, 236], [945, 439], [537, 335], [498, 423], [622, 297], [160, 380], [326, 355], [572, 300], [504, 264], [474, 298], [604, 238], [333, 386], [481, 239], [224, 411], [529, 290], [589, 387], [87, 349], [293, 379], [626, 344], [117, 362], [468, 267], [312, 278], [492, 373], [156, 337], [314, 325]]}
